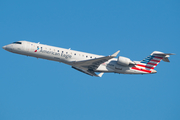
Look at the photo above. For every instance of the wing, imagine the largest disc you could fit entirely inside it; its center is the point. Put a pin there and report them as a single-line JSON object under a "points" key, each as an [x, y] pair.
{"points": [[89, 66]]}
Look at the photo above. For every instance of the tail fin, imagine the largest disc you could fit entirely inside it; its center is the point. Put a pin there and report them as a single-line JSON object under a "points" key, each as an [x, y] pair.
{"points": [[154, 59]]}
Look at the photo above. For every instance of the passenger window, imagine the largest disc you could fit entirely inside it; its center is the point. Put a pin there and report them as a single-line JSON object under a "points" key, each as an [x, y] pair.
{"points": [[74, 53], [58, 51]]}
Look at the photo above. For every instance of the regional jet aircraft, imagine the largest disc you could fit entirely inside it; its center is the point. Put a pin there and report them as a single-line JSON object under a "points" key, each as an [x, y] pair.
{"points": [[90, 64]]}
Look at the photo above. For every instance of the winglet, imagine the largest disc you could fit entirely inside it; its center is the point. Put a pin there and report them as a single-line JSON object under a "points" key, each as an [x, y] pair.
{"points": [[115, 54]]}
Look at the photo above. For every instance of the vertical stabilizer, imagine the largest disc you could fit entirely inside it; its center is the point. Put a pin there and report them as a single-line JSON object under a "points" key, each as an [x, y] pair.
{"points": [[151, 61]]}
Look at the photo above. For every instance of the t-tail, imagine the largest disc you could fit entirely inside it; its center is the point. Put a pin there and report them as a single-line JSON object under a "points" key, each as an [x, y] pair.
{"points": [[148, 64]]}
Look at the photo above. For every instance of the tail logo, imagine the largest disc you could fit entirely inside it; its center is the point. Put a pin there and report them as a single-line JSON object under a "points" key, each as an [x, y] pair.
{"points": [[147, 59], [148, 63], [152, 60]]}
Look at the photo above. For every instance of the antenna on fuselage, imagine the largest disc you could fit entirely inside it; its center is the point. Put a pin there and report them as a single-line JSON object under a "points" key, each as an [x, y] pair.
{"points": [[38, 42]]}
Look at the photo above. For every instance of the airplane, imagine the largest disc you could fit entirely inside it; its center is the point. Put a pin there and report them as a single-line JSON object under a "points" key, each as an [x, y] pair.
{"points": [[87, 63]]}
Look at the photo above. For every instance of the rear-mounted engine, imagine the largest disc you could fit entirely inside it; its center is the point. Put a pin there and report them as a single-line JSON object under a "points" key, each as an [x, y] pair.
{"points": [[124, 61]]}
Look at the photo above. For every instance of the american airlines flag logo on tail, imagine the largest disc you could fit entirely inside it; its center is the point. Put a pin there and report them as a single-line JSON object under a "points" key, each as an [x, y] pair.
{"points": [[148, 63]]}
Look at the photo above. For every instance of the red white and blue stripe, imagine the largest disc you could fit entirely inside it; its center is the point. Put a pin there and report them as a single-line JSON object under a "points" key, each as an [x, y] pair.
{"points": [[147, 64]]}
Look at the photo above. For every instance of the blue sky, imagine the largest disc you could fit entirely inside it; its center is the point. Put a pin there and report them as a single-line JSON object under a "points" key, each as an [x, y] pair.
{"points": [[38, 89]]}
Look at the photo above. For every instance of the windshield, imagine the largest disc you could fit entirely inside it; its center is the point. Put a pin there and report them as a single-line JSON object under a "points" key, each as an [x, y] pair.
{"points": [[17, 43]]}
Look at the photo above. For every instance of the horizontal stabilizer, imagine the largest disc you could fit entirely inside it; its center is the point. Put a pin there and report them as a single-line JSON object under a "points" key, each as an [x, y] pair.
{"points": [[163, 55]]}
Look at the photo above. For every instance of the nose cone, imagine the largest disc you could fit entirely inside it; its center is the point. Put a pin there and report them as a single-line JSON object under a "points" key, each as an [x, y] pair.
{"points": [[4, 47]]}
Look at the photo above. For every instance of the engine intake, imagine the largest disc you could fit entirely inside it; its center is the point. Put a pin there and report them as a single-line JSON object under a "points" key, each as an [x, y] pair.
{"points": [[124, 61]]}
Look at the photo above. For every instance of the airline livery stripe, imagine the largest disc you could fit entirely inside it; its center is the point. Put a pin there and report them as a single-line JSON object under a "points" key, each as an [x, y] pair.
{"points": [[158, 57], [145, 66], [152, 64], [143, 70], [155, 60]]}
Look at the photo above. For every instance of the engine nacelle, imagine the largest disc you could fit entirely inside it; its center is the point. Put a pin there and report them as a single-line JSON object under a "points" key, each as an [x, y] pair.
{"points": [[124, 61]]}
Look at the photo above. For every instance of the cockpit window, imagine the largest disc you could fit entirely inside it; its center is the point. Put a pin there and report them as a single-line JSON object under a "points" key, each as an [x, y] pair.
{"points": [[17, 43]]}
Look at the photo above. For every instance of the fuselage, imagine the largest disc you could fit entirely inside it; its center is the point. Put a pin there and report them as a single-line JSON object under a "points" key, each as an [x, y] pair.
{"points": [[68, 56]]}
